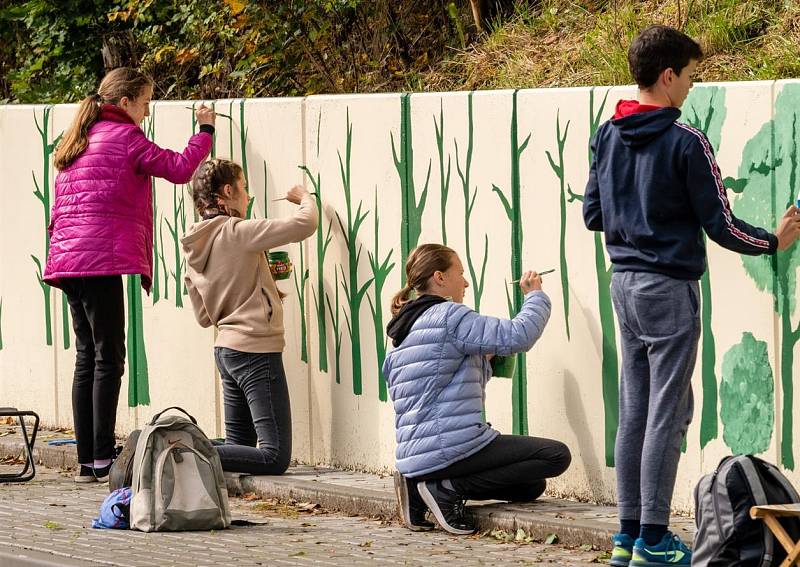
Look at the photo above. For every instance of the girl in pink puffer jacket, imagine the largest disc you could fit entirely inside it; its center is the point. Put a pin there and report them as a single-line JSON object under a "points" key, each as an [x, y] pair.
{"points": [[101, 228]]}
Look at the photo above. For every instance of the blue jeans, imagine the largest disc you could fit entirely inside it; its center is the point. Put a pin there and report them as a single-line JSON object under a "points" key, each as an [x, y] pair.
{"points": [[659, 324], [258, 418]]}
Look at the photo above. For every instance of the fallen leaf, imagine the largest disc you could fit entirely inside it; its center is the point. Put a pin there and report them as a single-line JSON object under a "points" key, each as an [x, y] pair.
{"points": [[52, 526], [551, 539], [298, 554], [365, 544]]}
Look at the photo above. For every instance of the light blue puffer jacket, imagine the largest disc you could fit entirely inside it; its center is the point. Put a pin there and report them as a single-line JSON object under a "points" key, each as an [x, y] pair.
{"points": [[437, 376]]}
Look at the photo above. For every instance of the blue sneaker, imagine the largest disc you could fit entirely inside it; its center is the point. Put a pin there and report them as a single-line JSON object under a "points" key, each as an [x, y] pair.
{"points": [[623, 550], [669, 551]]}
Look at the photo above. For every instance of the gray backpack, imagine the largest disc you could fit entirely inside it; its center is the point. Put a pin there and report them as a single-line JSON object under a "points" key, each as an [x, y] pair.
{"points": [[726, 534], [178, 482]]}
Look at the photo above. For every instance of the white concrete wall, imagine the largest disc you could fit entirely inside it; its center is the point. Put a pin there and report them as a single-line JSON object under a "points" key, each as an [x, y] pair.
{"points": [[741, 392]]}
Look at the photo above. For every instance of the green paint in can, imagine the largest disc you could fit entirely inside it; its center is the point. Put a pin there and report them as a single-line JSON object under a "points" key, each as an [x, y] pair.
{"points": [[280, 265]]}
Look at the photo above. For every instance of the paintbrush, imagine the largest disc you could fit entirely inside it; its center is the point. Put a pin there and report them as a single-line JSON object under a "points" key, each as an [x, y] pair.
{"points": [[544, 273], [215, 112], [286, 199]]}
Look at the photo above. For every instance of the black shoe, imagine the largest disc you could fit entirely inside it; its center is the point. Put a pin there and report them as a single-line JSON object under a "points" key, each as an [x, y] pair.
{"points": [[101, 474], [85, 474], [412, 507], [447, 506]]}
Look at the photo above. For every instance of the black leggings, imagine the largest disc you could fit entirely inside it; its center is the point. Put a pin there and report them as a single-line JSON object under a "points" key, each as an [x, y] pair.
{"points": [[98, 318], [511, 468]]}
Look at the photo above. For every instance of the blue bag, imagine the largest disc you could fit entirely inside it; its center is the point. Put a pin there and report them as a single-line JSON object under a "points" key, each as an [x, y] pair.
{"points": [[115, 511]]}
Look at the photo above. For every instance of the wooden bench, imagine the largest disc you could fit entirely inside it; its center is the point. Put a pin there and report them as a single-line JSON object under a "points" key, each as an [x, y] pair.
{"points": [[770, 514]]}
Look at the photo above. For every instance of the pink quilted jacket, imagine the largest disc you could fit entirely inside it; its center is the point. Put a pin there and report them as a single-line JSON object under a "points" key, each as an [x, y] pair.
{"points": [[102, 218]]}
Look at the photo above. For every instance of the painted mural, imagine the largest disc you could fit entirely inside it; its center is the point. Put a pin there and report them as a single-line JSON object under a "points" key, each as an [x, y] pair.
{"points": [[499, 177]]}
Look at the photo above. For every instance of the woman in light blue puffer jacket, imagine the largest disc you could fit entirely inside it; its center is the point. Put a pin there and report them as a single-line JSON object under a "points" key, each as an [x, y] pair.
{"points": [[437, 375]]}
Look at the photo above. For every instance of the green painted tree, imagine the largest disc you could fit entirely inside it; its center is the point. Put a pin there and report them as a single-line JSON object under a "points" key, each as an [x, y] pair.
{"points": [[747, 397], [610, 357], [380, 271], [705, 110], [150, 132], [323, 241], [354, 291], [513, 208], [411, 224], [334, 313], [176, 228], [444, 176], [558, 169], [138, 376], [469, 205], [769, 178], [300, 288], [42, 193]]}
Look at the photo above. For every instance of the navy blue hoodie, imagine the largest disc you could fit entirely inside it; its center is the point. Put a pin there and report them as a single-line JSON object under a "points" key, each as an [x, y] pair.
{"points": [[653, 187]]}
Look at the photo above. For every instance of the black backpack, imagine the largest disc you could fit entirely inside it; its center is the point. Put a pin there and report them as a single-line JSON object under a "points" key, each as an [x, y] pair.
{"points": [[726, 534]]}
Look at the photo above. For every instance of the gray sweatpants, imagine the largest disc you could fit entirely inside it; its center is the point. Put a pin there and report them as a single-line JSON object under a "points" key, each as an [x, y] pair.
{"points": [[659, 323]]}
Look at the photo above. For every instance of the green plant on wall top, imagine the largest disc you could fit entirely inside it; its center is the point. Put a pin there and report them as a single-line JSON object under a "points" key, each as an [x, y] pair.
{"points": [[380, 271], [610, 358], [704, 109], [747, 397], [770, 170], [558, 169], [513, 208], [411, 224], [42, 193], [353, 291], [444, 178], [469, 205], [323, 241]]}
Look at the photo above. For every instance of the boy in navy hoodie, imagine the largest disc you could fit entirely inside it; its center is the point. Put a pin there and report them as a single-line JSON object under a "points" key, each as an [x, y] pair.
{"points": [[654, 187]]}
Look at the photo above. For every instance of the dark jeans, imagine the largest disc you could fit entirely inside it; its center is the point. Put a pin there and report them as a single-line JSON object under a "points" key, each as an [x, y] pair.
{"points": [[257, 412], [511, 468], [98, 318]]}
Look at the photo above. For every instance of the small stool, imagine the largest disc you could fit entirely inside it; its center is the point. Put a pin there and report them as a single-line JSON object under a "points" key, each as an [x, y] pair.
{"points": [[770, 514], [29, 470]]}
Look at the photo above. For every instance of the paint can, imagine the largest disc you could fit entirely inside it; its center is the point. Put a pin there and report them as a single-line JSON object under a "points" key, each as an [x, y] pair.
{"points": [[504, 366], [279, 265]]}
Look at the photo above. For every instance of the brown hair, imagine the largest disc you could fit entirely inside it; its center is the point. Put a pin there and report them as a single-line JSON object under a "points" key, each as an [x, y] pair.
{"points": [[121, 82], [208, 181], [422, 262]]}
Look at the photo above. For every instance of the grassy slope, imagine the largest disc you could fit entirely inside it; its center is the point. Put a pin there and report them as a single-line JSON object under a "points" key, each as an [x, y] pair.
{"points": [[570, 43]]}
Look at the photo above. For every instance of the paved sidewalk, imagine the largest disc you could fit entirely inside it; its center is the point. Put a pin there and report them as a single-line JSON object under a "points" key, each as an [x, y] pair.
{"points": [[372, 496], [48, 522]]}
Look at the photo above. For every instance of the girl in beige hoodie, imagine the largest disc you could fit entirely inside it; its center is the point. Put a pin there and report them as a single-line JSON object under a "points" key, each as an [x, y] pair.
{"points": [[230, 286]]}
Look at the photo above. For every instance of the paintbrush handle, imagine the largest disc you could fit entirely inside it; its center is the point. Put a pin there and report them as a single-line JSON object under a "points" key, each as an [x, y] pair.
{"points": [[215, 112], [544, 273]]}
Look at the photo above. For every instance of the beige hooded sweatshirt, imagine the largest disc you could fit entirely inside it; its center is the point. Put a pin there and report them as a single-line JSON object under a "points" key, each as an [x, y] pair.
{"points": [[228, 277]]}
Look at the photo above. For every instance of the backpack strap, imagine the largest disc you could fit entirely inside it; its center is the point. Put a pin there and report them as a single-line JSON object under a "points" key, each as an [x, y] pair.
{"points": [[760, 499], [186, 413]]}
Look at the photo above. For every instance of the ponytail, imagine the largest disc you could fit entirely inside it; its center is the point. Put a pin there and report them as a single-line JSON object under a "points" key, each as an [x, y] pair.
{"points": [[76, 139], [401, 298]]}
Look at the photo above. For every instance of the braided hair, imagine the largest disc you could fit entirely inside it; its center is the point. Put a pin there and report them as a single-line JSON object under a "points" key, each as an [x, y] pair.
{"points": [[423, 261], [207, 184]]}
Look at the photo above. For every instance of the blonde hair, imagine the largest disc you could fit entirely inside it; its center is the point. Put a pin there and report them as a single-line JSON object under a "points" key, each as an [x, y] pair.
{"points": [[423, 261], [121, 82]]}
